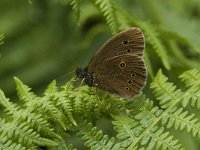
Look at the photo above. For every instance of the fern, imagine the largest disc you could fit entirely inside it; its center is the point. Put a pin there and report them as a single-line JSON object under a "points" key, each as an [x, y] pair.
{"points": [[108, 10], [152, 36], [1, 39], [95, 139], [40, 104], [76, 7], [191, 79], [142, 127]]}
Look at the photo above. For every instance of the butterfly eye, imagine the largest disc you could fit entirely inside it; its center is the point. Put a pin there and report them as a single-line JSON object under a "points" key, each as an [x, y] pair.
{"points": [[133, 74], [129, 82], [128, 50], [122, 65], [125, 42], [126, 88]]}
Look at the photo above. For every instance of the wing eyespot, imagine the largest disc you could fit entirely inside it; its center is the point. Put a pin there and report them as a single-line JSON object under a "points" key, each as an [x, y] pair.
{"points": [[133, 74], [122, 65], [130, 82], [125, 42], [126, 89], [128, 50]]}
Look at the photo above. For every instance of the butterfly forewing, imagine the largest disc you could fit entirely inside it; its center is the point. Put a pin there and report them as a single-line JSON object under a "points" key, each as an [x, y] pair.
{"points": [[130, 41], [123, 75]]}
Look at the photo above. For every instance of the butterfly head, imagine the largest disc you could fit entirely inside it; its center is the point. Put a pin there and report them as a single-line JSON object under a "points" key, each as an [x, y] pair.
{"points": [[83, 73]]}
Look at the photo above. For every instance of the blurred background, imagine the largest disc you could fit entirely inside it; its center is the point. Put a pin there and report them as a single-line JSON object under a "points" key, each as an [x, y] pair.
{"points": [[45, 39]]}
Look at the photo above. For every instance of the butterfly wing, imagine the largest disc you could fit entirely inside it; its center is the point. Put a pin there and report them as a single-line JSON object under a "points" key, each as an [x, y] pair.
{"points": [[123, 75], [130, 41]]}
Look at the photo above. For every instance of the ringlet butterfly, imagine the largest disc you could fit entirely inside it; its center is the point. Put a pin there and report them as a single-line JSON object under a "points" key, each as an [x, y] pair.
{"points": [[118, 66]]}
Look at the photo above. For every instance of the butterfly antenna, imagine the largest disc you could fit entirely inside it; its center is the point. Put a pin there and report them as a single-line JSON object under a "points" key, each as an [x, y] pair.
{"points": [[66, 74]]}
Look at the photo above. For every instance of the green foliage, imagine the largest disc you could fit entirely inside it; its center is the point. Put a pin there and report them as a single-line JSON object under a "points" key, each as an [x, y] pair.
{"points": [[1, 39], [50, 120]]}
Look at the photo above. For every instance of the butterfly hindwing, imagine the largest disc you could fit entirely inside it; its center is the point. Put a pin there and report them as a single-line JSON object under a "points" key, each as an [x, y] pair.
{"points": [[123, 75]]}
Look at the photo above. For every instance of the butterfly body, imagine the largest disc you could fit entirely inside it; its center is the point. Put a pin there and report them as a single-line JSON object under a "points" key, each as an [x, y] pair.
{"points": [[118, 66]]}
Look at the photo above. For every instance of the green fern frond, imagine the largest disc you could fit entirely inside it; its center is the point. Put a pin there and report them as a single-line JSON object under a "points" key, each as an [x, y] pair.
{"points": [[1, 39], [147, 128], [23, 92], [158, 139], [132, 133], [151, 135], [21, 129], [126, 128], [38, 104], [170, 96], [76, 7], [62, 145], [191, 79], [181, 120], [151, 36], [23, 134], [164, 91], [10, 145], [62, 102], [108, 9], [5, 143], [27, 115], [95, 139]]}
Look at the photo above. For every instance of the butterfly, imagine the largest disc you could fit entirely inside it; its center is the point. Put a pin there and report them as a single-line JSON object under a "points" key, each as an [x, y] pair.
{"points": [[118, 66]]}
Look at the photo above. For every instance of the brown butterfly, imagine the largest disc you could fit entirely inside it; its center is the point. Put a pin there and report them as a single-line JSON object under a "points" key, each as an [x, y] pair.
{"points": [[118, 66]]}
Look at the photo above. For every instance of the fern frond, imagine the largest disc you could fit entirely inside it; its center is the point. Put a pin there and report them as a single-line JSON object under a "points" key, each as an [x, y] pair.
{"points": [[20, 127], [132, 133], [62, 145], [151, 36], [151, 135], [61, 100], [86, 102], [158, 139], [95, 139], [24, 135], [126, 128], [5, 143], [51, 88], [10, 145], [108, 10], [191, 77], [1, 39], [76, 7], [43, 104], [164, 91], [181, 120], [170, 95], [25, 115], [23, 92]]}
